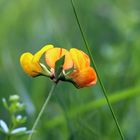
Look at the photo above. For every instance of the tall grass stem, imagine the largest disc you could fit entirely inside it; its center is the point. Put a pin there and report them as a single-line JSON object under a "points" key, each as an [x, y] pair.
{"points": [[41, 112], [95, 67]]}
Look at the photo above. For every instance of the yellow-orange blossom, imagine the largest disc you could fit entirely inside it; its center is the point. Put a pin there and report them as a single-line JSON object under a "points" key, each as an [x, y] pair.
{"points": [[83, 74]]}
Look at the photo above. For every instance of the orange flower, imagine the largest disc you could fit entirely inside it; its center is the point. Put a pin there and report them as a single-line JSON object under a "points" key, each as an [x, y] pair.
{"points": [[30, 63], [83, 75]]}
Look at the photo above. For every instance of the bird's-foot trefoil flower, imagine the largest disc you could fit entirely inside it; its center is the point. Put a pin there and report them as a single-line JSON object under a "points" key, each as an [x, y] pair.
{"points": [[71, 66]]}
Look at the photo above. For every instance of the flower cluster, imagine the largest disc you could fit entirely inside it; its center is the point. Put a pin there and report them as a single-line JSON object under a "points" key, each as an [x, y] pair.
{"points": [[60, 64], [15, 110]]}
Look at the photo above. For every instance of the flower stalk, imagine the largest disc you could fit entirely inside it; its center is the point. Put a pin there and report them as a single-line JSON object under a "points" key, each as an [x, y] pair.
{"points": [[41, 111]]}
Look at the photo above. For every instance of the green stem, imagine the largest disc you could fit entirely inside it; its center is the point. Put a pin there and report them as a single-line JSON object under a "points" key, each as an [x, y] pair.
{"points": [[8, 137], [95, 67], [41, 112]]}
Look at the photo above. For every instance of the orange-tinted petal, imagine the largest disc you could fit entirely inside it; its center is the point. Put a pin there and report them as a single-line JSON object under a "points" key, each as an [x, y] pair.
{"points": [[85, 77], [80, 59], [52, 55]]}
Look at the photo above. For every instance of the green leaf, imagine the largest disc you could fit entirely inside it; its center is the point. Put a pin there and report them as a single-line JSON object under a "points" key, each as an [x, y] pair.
{"points": [[59, 66]]}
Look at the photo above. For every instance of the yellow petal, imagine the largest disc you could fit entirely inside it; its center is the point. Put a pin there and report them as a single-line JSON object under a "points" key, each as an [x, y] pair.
{"points": [[28, 67], [52, 55], [85, 77], [80, 59], [38, 55], [30, 63]]}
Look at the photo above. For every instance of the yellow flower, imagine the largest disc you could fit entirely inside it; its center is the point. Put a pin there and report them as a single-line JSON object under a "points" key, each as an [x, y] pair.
{"points": [[30, 63], [75, 67]]}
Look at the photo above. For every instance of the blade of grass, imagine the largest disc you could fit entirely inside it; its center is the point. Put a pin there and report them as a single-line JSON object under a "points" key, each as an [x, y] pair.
{"points": [[95, 67], [114, 98]]}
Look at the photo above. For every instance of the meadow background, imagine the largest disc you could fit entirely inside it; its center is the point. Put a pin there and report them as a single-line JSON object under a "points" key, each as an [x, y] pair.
{"points": [[112, 29]]}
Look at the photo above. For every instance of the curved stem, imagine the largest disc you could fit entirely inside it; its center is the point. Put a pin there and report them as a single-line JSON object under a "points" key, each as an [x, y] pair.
{"points": [[41, 112], [98, 75]]}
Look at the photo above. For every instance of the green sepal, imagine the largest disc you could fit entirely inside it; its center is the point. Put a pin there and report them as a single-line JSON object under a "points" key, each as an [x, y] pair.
{"points": [[45, 70], [70, 80], [69, 71], [59, 67]]}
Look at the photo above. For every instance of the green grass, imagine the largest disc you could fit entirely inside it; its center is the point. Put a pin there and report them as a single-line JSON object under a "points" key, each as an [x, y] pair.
{"points": [[95, 104]]}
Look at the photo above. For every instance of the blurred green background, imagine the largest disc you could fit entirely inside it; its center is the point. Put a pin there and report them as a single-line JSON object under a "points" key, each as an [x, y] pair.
{"points": [[112, 30]]}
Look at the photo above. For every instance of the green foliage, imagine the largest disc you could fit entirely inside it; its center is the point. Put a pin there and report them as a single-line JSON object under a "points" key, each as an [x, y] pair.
{"points": [[14, 108]]}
